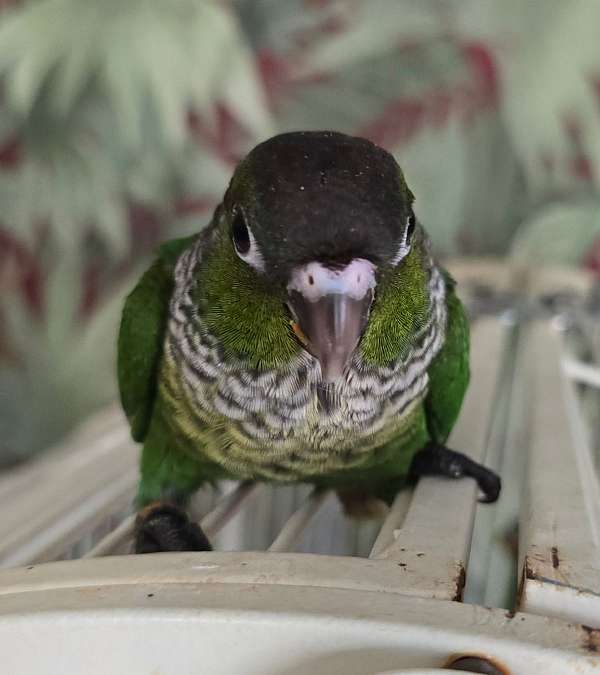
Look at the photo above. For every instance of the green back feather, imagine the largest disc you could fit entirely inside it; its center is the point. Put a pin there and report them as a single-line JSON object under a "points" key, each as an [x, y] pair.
{"points": [[141, 337], [449, 371]]}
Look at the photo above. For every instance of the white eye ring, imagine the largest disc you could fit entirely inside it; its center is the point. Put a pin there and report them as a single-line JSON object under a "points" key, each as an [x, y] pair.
{"points": [[244, 242], [406, 239]]}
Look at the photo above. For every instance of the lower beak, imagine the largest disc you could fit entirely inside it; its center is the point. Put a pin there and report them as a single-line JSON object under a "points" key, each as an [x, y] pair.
{"points": [[332, 327]]}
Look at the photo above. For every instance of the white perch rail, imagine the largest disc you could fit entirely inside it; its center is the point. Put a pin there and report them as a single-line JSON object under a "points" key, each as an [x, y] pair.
{"points": [[293, 587]]}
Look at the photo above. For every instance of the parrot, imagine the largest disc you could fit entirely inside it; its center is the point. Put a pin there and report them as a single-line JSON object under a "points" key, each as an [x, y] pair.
{"points": [[305, 335]]}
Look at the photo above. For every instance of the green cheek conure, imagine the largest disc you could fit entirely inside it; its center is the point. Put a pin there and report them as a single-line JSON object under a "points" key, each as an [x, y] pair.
{"points": [[305, 335]]}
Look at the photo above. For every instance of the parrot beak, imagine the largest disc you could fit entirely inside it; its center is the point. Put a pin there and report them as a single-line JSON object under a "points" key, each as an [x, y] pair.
{"points": [[331, 308]]}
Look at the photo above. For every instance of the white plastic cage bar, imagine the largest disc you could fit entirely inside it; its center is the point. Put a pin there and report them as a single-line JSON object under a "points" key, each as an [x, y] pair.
{"points": [[582, 372], [432, 537], [560, 544], [50, 504], [492, 577], [226, 508], [298, 521]]}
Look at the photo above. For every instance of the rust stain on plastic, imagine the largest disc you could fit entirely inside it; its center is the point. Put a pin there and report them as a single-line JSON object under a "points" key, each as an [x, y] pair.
{"points": [[555, 560], [591, 639], [550, 570], [529, 572], [460, 580]]}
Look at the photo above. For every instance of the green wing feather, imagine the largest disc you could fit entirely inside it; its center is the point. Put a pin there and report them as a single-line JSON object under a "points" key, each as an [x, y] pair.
{"points": [[141, 337], [449, 371]]}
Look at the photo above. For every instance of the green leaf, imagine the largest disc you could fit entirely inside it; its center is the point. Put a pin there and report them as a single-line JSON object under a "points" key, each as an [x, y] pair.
{"points": [[560, 233]]}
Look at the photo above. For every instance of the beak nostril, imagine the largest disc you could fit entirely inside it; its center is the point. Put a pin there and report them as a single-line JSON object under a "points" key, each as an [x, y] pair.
{"points": [[311, 279]]}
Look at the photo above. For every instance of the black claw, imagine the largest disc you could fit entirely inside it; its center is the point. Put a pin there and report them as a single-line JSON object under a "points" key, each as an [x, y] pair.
{"points": [[166, 527], [437, 460], [489, 484]]}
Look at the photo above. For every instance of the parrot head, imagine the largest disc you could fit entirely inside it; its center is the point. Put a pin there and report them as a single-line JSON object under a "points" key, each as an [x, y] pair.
{"points": [[309, 226]]}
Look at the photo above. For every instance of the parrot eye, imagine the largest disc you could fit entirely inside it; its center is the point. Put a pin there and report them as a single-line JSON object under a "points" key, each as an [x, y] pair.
{"points": [[244, 242], [241, 234]]}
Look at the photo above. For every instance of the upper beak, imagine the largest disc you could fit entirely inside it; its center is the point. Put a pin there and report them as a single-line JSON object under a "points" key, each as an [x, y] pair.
{"points": [[332, 310]]}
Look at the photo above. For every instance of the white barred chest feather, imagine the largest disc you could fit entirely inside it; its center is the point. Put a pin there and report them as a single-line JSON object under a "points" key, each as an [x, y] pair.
{"points": [[282, 424]]}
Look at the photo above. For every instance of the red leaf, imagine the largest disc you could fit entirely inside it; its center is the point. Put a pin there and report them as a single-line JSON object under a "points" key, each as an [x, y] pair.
{"points": [[226, 137], [11, 153], [187, 206], [591, 260], [485, 74], [20, 269]]}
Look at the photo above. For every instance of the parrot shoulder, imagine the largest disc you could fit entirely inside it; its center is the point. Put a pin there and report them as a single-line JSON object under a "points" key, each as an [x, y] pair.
{"points": [[141, 336]]}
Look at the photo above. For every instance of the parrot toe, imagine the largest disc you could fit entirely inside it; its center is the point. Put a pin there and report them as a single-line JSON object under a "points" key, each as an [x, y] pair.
{"points": [[437, 460], [166, 527]]}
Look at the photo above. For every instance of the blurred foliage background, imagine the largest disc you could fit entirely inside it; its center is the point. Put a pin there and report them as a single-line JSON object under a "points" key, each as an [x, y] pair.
{"points": [[121, 122]]}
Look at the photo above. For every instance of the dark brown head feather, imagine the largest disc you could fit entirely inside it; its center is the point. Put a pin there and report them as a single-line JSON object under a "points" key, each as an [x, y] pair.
{"points": [[321, 196]]}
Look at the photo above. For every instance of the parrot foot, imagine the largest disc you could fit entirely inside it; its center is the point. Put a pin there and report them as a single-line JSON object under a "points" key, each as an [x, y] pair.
{"points": [[437, 460], [162, 526]]}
